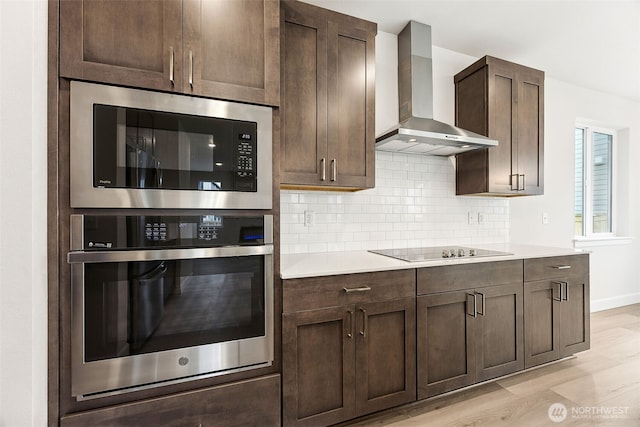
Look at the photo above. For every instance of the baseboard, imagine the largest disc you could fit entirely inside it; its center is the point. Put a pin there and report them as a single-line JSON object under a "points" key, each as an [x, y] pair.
{"points": [[614, 302]]}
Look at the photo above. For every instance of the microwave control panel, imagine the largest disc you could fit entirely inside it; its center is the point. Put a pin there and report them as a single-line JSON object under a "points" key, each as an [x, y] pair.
{"points": [[246, 162]]}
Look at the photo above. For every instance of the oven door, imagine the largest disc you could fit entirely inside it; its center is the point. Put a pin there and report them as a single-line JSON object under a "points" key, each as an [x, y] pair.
{"points": [[145, 317]]}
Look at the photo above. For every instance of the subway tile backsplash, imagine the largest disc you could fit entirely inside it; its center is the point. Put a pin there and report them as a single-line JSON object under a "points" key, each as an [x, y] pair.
{"points": [[413, 204]]}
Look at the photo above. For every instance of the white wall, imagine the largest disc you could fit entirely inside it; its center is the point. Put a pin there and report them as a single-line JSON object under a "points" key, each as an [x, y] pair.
{"points": [[23, 232], [614, 276]]}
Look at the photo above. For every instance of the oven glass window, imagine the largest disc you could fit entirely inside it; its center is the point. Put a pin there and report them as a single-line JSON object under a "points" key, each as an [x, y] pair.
{"points": [[135, 148], [143, 307]]}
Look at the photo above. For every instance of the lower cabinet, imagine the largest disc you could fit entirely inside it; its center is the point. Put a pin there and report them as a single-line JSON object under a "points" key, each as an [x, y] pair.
{"points": [[469, 324], [252, 402], [468, 336], [556, 306], [345, 361]]}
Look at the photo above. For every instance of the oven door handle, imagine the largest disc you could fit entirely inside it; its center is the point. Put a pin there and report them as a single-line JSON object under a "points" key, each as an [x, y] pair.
{"points": [[167, 254]]}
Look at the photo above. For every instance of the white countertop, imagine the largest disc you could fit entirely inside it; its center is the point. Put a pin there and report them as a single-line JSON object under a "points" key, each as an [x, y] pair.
{"points": [[295, 266]]}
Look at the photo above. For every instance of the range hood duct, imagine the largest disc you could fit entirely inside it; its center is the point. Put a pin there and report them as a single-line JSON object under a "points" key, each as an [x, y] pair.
{"points": [[418, 132]]}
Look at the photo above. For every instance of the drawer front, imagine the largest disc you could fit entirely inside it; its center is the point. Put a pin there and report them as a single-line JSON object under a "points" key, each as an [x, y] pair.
{"points": [[466, 276], [329, 291], [555, 267]]}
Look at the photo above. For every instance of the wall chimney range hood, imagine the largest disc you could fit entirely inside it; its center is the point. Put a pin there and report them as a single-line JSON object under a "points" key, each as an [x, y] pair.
{"points": [[418, 132]]}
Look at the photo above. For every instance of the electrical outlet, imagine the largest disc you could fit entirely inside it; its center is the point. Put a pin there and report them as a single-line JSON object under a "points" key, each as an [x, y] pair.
{"points": [[308, 218], [545, 218], [480, 218], [473, 218]]}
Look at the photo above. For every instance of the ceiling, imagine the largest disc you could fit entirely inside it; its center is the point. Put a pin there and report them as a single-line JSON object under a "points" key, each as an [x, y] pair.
{"points": [[594, 44]]}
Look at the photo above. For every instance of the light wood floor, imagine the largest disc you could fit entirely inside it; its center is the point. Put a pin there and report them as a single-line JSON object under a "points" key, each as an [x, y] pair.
{"points": [[604, 379]]}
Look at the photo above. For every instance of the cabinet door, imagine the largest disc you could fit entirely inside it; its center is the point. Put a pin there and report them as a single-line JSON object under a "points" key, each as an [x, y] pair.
{"points": [[318, 360], [541, 320], [574, 315], [350, 84], [530, 131], [500, 341], [446, 342], [304, 96], [503, 159], [122, 42], [231, 49], [385, 355]]}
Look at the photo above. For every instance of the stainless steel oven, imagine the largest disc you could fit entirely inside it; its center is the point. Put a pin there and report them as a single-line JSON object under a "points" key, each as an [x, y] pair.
{"points": [[158, 299], [132, 148]]}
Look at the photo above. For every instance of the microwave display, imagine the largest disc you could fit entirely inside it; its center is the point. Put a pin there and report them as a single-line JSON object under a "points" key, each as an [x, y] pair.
{"points": [[144, 149]]}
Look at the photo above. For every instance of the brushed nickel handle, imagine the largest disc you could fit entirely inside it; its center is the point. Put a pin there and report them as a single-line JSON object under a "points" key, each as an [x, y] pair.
{"points": [[517, 183], [561, 267], [191, 69], [334, 170], [482, 303], [365, 323], [323, 173], [350, 326], [361, 289], [171, 59], [474, 313], [566, 291], [560, 284], [521, 189]]}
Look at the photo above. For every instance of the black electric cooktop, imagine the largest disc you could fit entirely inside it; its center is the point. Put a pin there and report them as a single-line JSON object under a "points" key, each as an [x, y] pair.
{"points": [[433, 253]]}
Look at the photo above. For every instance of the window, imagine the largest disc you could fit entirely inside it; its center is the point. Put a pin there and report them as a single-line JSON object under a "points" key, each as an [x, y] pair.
{"points": [[594, 192]]}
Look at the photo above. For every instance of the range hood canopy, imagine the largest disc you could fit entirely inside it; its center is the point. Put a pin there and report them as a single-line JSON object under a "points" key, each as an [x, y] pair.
{"points": [[418, 132]]}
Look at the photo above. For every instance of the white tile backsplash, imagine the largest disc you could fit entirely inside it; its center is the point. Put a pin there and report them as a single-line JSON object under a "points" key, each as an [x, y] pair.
{"points": [[413, 204]]}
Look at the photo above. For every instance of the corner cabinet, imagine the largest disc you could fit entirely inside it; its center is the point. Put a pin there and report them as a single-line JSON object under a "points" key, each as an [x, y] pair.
{"points": [[327, 99], [504, 101], [469, 324], [225, 49], [348, 346], [556, 307]]}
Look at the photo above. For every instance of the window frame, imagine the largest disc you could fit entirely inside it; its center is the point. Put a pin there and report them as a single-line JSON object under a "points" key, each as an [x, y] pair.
{"points": [[587, 183]]}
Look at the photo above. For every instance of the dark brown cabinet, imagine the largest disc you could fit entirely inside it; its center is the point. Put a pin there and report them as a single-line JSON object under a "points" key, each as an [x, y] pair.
{"points": [[217, 48], [504, 101], [467, 335], [556, 307], [327, 98], [343, 361], [225, 405]]}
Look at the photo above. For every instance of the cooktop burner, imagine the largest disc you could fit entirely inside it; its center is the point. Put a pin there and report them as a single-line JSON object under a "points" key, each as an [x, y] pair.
{"points": [[437, 252]]}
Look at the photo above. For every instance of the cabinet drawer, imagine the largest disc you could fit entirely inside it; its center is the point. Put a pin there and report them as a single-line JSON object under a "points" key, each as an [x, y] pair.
{"points": [[250, 402], [328, 291], [458, 277], [555, 267]]}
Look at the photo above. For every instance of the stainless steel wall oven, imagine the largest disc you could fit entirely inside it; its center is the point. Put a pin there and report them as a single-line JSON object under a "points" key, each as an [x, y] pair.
{"points": [[158, 299], [132, 148]]}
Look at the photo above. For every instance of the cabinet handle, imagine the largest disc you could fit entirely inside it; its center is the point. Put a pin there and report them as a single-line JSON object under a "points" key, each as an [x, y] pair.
{"points": [[350, 326], [323, 173], [553, 291], [521, 189], [517, 182], [566, 291], [361, 289], [474, 313], [171, 59], [191, 69], [365, 323], [334, 170], [482, 303], [561, 267]]}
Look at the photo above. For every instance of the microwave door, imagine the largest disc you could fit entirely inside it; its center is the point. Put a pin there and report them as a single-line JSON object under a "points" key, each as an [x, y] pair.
{"points": [[143, 169]]}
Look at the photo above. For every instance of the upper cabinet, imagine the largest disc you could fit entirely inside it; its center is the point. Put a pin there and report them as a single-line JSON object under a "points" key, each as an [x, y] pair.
{"points": [[327, 99], [504, 101], [225, 49]]}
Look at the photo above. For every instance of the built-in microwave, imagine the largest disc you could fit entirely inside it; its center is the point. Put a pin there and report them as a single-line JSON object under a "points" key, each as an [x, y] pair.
{"points": [[132, 148]]}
